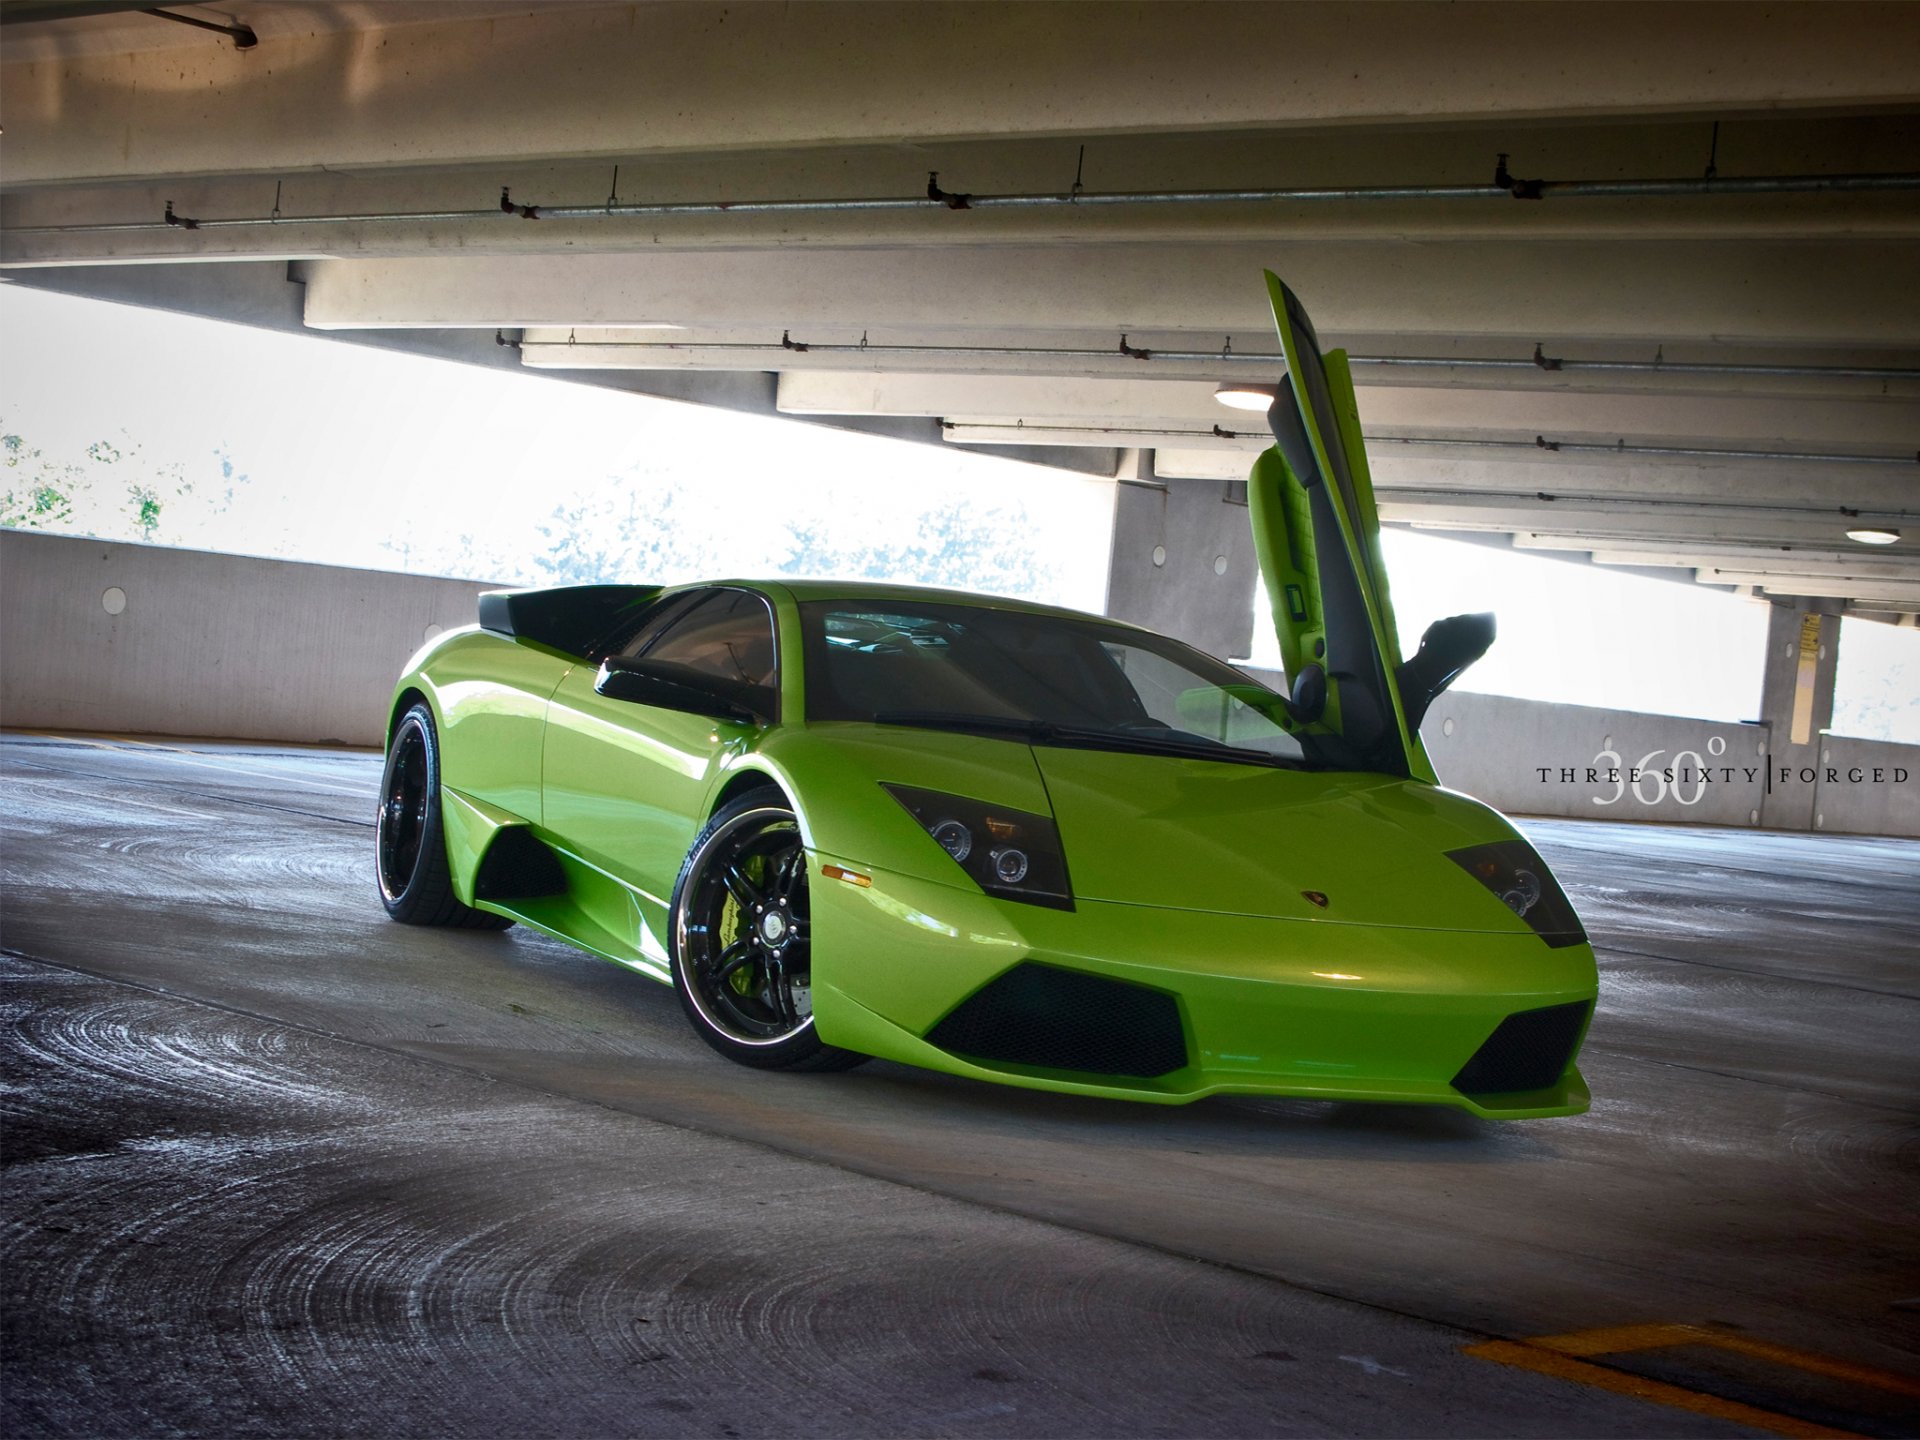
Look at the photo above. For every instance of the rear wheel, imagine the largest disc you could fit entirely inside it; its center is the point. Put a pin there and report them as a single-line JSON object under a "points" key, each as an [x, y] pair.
{"points": [[410, 844], [743, 939]]}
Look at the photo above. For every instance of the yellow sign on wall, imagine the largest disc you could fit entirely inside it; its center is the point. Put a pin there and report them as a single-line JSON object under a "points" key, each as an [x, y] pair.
{"points": [[1803, 679]]}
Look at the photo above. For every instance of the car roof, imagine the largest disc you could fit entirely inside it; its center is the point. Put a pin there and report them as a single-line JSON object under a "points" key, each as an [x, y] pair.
{"points": [[803, 590]]}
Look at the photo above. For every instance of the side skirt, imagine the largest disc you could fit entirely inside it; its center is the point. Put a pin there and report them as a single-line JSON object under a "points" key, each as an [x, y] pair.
{"points": [[500, 863]]}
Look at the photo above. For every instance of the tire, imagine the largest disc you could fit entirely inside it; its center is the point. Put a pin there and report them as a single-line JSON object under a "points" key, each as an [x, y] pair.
{"points": [[742, 939], [410, 844]]}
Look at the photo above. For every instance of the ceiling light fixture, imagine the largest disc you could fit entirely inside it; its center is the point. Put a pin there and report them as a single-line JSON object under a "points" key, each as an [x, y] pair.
{"points": [[1239, 395], [1873, 535]]}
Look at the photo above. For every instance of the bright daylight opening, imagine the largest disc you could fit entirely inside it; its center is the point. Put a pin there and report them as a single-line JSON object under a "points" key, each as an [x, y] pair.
{"points": [[1576, 634], [131, 424], [1876, 690]]}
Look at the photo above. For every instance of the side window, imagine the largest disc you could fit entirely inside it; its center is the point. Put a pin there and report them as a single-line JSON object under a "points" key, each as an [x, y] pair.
{"points": [[727, 636], [652, 622]]}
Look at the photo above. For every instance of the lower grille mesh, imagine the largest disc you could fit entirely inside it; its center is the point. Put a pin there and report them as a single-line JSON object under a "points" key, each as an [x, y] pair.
{"points": [[1528, 1051], [1057, 1019]]}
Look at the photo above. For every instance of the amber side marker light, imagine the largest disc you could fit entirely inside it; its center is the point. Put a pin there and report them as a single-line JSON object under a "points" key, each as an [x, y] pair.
{"points": [[852, 877]]}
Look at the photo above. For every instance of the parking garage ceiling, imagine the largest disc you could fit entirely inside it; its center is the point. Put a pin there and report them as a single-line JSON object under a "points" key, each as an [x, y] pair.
{"points": [[1635, 283]]}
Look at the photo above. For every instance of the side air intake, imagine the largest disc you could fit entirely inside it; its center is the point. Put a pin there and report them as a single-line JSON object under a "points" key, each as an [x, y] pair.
{"points": [[1529, 1050], [518, 867], [1054, 1019]]}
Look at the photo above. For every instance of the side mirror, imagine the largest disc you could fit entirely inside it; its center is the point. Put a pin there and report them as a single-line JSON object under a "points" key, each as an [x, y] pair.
{"points": [[1308, 702], [635, 681], [1448, 647]]}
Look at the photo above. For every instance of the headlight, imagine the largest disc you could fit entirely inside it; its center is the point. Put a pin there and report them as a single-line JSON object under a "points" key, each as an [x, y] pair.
{"points": [[1013, 854], [1511, 870]]}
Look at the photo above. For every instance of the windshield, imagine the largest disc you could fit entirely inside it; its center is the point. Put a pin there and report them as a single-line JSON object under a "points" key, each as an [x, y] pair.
{"points": [[1044, 679]]}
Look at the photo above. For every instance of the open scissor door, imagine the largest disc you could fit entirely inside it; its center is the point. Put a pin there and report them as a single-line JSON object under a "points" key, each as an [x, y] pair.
{"points": [[1317, 531]]}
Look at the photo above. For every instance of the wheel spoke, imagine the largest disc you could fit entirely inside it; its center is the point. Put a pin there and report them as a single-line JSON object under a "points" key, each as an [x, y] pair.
{"points": [[740, 887], [775, 996], [731, 960], [786, 874]]}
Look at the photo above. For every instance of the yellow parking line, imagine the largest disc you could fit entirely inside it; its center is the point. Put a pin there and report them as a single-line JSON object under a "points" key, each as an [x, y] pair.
{"points": [[1530, 1355], [1621, 1339]]}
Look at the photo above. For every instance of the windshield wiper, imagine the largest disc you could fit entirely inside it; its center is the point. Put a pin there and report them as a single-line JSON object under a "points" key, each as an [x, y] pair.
{"points": [[1083, 737], [1133, 742]]}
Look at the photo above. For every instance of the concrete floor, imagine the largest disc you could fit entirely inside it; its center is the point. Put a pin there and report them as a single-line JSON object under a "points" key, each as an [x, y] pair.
{"points": [[276, 1165]]}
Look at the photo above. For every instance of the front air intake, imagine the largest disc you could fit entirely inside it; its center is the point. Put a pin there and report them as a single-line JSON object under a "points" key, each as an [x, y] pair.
{"points": [[1529, 1050], [1054, 1019]]}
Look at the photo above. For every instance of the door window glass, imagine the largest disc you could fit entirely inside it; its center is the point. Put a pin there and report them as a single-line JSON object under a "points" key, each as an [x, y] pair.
{"points": [[652, 622], [725, 637]]}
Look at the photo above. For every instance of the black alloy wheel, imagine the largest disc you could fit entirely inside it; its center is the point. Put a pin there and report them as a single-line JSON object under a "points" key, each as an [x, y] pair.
{"points": [[410, 847], [743, 939]]}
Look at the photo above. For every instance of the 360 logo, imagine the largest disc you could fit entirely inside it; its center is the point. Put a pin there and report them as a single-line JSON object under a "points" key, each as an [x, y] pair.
{"points": [[1689, 775], [1685, 779], [1688, 765]]}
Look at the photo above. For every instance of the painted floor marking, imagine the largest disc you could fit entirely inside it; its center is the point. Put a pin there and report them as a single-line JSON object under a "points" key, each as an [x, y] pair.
{"points": [[1565, 1358], [1622, 1339]]}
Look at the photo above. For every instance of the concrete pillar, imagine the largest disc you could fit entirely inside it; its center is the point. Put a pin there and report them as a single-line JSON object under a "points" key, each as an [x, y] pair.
{"points": [[1796, 705], [1183, 560]]}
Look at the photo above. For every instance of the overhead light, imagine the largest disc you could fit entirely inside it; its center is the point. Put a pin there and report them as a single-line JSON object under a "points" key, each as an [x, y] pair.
{"points": [[1873, 535], [1239, 395]]}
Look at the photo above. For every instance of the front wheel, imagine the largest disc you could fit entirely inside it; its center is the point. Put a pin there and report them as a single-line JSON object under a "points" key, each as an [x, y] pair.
{"points": [[743, 939]]}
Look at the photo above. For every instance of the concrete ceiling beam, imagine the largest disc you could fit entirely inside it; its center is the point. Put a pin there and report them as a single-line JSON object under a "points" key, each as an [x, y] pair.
{"points": [[609, 81], [1809, 582], [125, 224], [1875, 425], [1565, 481], [1131, 164], [1904, 602], [1093, 355], [1040, 431], [1881, 584], [1630, 291], [1608, 529], [1781, 560], [1884, 489], [25, 240]]}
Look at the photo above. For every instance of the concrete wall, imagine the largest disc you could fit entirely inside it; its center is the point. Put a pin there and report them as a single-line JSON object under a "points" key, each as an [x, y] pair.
{"points": [[221, 645], [1868, 787], [1538, 759], [1529, 757], [210, 645], [1587, 763]]}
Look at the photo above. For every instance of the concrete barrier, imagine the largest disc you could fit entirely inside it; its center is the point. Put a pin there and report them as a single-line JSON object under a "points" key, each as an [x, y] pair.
{"points": [[145, 640], [1532, 757], [1867, 787], [1588, 763]]}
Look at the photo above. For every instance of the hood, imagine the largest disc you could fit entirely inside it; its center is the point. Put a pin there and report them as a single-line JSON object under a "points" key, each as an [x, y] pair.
{"points": [[1249, 840]]}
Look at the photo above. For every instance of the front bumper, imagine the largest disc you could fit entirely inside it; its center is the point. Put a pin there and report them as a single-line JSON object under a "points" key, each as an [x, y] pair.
{"points": [[1320, 1009]]}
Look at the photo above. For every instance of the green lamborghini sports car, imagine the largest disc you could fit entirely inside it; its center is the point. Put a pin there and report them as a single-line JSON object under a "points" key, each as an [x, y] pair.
{"points": [[1004, 840]]}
